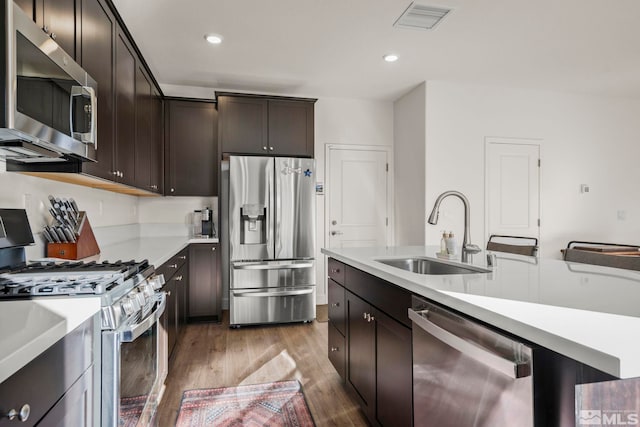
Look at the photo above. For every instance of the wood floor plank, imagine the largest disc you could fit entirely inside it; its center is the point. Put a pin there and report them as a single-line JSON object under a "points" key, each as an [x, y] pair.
{"points": [[211, 355]]}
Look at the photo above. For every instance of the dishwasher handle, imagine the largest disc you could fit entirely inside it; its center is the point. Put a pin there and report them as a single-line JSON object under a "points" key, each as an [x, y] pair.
{"points": [[507, 367]]}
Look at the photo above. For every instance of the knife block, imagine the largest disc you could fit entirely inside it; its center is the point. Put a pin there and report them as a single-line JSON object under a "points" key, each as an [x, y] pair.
{"points": [[84, 246]]}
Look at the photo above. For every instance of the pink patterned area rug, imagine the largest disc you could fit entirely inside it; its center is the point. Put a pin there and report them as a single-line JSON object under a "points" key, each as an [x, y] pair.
{"points": [[277, 404], [131, 409]]}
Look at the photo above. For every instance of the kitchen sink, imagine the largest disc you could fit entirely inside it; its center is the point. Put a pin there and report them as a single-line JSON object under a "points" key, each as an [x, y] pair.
{"points": [[430, 266]]}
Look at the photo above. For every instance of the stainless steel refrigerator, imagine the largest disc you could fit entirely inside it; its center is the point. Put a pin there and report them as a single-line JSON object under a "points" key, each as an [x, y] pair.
{"points": [[270, 219]]}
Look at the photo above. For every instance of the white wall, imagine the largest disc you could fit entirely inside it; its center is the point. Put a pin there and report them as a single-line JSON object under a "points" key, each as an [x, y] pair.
{"points": [[409, 134], [344, 121], [104, 208], [584, 140]]}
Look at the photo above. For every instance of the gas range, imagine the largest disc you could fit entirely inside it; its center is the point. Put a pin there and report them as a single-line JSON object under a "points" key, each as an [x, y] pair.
{"points": [[128, 290]]}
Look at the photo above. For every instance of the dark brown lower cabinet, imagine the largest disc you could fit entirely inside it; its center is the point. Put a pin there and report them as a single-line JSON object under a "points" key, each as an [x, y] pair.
{"points": [[176, 276], [377, 364], [205, 293], [361, 352], [394, 372]]}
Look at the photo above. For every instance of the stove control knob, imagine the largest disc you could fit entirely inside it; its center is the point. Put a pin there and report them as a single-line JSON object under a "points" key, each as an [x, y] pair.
{"points": [[157, 281], [147, 290], [135, 301], [127, 306]]}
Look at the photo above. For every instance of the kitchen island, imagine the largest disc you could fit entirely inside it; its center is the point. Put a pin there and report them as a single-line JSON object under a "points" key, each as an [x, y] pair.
{"points": [[578, 319], [585, 312]]}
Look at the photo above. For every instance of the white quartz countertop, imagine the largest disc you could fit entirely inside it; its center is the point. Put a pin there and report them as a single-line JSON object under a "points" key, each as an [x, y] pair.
{"points": [[586, 312], [157, 250], [29, 327]]}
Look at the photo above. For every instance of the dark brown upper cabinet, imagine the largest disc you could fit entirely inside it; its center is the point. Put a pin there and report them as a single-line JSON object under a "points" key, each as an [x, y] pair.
{"points": [[191, 155], [253, 124], [157, 143], [125, 110], [97, 53], [143, 131], [58, 19]]}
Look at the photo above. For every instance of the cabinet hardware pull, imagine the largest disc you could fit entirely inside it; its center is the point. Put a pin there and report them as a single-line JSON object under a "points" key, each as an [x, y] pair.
{"points": [[335, 270], [364, 315], [23, 415], [53, 36], [264, 148], [46, 29], [178, 279], [271, 148], [173, 190], [213, 249], [173, 265], [334, 349], [335, 304], [183, 257], [168, 293]]}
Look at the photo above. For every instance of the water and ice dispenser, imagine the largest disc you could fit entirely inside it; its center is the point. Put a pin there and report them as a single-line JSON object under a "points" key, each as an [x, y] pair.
{"points": [[253, 224]]}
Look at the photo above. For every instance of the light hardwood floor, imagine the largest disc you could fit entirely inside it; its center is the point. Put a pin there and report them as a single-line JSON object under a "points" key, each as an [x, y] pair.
{"points": [[211, 355]]}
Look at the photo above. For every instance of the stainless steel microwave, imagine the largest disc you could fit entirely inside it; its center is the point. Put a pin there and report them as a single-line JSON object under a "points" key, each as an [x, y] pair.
{"points": [[50, 104]]}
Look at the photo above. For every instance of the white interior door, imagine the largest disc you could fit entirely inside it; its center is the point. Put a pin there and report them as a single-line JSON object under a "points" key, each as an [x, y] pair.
{"points": [[513, 187], [357, 211]]}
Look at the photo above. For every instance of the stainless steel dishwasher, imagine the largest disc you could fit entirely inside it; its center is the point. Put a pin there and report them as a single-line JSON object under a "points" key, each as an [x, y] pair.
{"points": [[465, 374]]}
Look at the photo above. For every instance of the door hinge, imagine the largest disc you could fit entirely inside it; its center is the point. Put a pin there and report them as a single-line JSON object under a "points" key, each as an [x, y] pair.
{"points": [[387, 167], [539, 162]]}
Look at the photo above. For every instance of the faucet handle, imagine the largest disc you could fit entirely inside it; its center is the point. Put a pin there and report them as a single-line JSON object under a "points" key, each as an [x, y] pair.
{"points": [[471, 248]]}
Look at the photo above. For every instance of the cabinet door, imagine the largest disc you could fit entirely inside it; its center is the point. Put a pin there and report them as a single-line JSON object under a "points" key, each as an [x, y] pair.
{"points": [[171, 314], [243, 125], [143, 131], [157, 144], [204, 283], [97, 42], [291, 128], [336, 305], [192, 161], [125, 109], [394, 372], [361, 367], [75, 408], [58, 19]]}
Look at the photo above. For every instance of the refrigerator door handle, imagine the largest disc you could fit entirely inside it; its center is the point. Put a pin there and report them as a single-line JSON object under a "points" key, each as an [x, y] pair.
{"points": [[270, 266], [272, 293]]}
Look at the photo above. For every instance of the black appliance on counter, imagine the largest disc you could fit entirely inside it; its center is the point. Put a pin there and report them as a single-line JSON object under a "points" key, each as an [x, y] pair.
{"points": [[134, 345]]}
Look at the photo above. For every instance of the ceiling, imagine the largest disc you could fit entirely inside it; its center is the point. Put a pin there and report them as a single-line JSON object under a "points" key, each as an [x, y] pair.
{"points": [[334, 48]]}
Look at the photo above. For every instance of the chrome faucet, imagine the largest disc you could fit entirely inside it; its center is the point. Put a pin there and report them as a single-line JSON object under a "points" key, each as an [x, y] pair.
{"points": [[433, 219]]}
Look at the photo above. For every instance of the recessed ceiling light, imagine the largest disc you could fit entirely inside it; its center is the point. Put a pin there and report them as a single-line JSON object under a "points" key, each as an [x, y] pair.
{"points": [[213, 38], [390, 57]]}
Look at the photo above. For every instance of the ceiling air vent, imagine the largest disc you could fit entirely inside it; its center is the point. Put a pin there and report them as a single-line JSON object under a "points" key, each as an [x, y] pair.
{"points": [[421, 17]]}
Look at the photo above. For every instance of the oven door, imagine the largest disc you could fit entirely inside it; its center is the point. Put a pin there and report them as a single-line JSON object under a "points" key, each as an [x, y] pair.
{"points": [[134, 367]]}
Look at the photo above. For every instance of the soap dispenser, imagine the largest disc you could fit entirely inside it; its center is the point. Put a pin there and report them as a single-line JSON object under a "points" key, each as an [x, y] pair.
{"points": [[451, 244], [443, 242]]}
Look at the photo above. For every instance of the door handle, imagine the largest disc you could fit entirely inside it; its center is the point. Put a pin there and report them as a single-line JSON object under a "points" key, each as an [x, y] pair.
{"points": [[335, 233]]}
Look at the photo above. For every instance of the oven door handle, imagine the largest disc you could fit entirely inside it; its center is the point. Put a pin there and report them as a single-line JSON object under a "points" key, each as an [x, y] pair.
{"points": [[272, 293], [134, 331]]}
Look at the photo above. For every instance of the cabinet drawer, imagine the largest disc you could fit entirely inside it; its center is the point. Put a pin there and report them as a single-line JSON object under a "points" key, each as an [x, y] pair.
{"points": [[386, 296], [335, 270], [337, 354], [336, 306], [169, 268], [43, 381]]}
